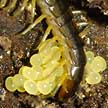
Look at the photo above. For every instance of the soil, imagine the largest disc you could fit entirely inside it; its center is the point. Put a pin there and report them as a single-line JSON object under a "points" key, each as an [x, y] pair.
{"points": [[15, 51], [100, 6]]}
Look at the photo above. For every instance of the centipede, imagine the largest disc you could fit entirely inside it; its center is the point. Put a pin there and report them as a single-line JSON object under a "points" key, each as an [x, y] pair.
{"points": [[65, 40]]}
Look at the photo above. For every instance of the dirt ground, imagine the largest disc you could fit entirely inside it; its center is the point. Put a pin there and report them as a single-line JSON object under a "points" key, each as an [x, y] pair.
{"points": [[15, 51]]}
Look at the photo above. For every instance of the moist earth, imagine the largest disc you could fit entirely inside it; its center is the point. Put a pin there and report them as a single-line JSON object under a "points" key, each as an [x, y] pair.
{"points": [[15, 51]]}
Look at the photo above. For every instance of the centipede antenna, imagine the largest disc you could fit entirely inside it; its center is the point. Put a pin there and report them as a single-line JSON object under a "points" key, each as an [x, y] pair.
{"points": [[38, 20], [19, 10], [10, 6], [3, 3]]}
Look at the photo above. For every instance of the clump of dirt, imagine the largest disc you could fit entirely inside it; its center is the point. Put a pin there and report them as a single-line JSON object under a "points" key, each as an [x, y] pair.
{"points": [[102, 5]]}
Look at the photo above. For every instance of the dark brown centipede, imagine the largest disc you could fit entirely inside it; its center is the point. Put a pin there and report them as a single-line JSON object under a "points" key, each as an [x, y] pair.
{"points": [[58, 17]]}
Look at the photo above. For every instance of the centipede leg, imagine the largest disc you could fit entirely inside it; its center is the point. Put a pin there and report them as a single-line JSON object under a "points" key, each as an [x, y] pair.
{"points": [[10, 6], [3, 3], [33, 7], [79, 19], [47, 32], [19, 10], [38, 20]]}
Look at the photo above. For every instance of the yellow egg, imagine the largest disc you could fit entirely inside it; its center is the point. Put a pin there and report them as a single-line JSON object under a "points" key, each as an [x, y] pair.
{"points": [[20, 70], [89, 56], [50, 67], [93, 78], [30, 87], [19, 80], [21, 89], [32, 73], [9, 84], [54, 54], [36, 59], [98, 64], [45, 87]]}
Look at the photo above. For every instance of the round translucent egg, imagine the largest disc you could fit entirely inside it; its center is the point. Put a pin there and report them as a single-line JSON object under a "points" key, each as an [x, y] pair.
{"points": [[89, 56], [32, 73], [98, 64], [30, 87], [9, 84], [93, 78]]}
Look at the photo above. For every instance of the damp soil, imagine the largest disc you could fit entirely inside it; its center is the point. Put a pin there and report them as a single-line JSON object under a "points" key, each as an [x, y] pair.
{"points": [[100, 6], [15, 51]]}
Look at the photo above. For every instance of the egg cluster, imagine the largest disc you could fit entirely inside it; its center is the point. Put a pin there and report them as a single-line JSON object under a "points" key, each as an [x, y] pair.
{"points": [[46, 74], [93, 67]]}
